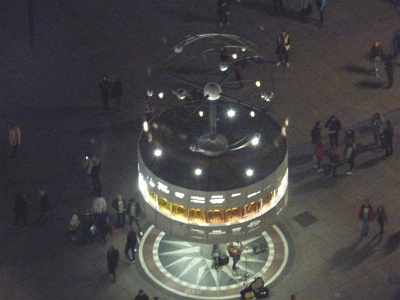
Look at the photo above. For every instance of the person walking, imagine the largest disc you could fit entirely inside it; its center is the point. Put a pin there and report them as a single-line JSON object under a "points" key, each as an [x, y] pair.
{"points": [[350, 147], [90, 154], [235, 251], [377, 122], [278, 7], [15, 141], [366, 215], [222, 11], [396, 44], [334, 126], [316, 133], [134, 211], [149, 107], [104, 87], [141, 296], [74, 225], [381, 218], [132, 240], [375, 56], [21, 205], [95, 177], [112, 261], [119, 206], [388, 138], [282, 48], [116, 92], [389, 68], [321, 7]]}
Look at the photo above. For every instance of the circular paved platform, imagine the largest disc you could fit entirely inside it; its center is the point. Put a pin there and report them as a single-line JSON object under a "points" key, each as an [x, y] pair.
{"points": [[178, 267]]}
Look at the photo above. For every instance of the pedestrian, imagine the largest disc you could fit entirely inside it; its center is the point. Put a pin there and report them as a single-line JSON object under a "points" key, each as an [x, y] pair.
{"points": [[87, 222], [333, 124], [103, 225], [375, 56], [381, 218], [74, 225], [141, 296], [99, 206], [90, 154], [119, 205], [388, 138], [334, 161], [239, 74], [132, 240], [235, 251], [366, 215], [321, 7], [278, 6], [223, 54], [305, 10], [389, 68], [116, 92], [396, 44], [134, 211], [44, 207], [112, 261], [149, 107], [377, 122], [104, 87], [316, 133], [282, 49], [95, 177], [222, 11], [319, 153], [350, 149], [21, 205], [15, 141]]}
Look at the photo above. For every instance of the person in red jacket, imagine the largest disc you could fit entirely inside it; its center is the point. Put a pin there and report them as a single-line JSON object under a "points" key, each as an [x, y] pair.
{"points": [[319, 153], [366, 214]]}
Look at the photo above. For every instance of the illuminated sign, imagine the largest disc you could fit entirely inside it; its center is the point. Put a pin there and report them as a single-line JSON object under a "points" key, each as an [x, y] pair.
{"points": [[217, 199], [253, 194], [198, 199], [179, 195], [162, 187]]}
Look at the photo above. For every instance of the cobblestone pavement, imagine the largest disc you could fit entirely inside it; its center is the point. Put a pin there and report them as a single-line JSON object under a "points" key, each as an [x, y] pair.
{"points": [[50, 90]]}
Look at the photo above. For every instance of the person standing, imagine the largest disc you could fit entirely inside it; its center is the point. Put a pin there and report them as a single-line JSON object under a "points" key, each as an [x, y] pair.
{"points": [[119, 206], [396, 44], [116, 92], [95, 176], [132, 240], [222, 11], [350, 147], [90, 154], [21, 205], [388, 138], [278, 6], [389, 68], [104, 87], [282, 49], [334, 126], [15, 141], [149, 107], [235, 251], [316, 133], [334, 161], [134, 211], [375, 56], [112, 261], [99, 206], [321, 7], [141, 296], [381, 218], [74, 225], [366, 214], [319, 153], [377, 125]]}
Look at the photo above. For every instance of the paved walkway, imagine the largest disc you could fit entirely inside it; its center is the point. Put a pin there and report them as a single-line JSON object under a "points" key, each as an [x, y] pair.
{"points": [[50, 91]]}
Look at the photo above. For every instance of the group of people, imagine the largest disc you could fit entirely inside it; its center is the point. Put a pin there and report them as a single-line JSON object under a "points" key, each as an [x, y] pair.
{"points": [[366, 214], [382, 135]]}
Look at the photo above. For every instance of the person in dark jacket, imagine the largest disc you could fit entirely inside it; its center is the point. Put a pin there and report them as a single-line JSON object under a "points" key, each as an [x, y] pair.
{"points": [[334, 126], [396, 44], [116, 92], [377, 122], [132, 240], [112, 261], [316, 133], [381, 218], [95, 175], [104, 87], [389, 68], [321, 7], [282, 48], [350, 148], [21, 205], [222, 11], [375, 56], [141, 296], [388, 138]]}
